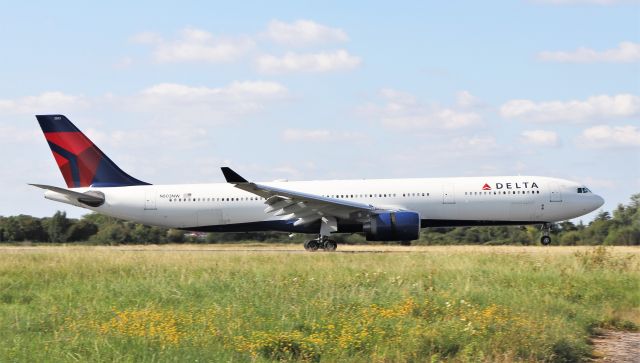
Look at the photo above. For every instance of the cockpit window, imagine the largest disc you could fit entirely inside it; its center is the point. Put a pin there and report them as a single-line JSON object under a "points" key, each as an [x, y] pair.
{"points": [[583, 190]]}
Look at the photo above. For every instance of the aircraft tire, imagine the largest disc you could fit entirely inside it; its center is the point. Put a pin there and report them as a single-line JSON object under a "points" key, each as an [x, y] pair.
{"points": [[311, 245], [545, 240], [307, 245], [330, 245]]}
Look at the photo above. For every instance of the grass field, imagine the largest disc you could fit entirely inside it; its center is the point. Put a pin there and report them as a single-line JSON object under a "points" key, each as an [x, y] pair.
{"points": [[265, 303]]}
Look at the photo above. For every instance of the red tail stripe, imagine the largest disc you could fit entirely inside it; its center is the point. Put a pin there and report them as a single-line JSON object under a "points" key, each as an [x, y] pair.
{"points": [[74, 142]]}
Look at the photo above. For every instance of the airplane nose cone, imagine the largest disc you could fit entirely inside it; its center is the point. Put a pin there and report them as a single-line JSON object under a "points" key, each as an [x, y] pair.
{"points": [[598, 201]]}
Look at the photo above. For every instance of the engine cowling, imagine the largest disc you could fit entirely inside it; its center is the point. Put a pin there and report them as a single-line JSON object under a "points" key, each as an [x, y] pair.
{"points": [[393, 226]]}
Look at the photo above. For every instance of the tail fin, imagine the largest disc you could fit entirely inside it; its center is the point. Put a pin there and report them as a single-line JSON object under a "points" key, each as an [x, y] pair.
{"points": [[80, 161]]}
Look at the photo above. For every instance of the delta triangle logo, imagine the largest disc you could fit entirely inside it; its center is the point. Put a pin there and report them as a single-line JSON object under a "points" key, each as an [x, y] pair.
{"points": [[486, 187]]}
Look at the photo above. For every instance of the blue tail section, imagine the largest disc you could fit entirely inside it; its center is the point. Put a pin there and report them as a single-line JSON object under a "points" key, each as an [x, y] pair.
{"points": [[81, 162]]}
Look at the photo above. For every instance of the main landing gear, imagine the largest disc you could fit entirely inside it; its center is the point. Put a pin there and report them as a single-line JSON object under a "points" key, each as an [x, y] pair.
{"points": [[545, 240], [321, 243], [328, 225]]}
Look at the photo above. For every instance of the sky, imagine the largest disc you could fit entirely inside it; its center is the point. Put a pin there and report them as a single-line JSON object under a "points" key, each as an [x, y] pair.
{"points": [[171, 91]]}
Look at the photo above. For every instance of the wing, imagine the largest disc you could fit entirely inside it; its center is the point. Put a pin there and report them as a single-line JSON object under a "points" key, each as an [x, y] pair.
{"points": [[90, 198], [304, 207]]}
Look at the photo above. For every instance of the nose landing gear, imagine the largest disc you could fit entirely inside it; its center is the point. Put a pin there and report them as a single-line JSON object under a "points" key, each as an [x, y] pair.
{"points": [[545, 240]]}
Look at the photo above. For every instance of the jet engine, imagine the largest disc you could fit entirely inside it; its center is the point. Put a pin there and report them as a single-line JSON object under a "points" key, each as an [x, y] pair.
{"points": [[393, 226]]}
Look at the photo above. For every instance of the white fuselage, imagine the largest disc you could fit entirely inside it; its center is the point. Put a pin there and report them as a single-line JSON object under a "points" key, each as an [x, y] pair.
{"points": [[439, 201]]}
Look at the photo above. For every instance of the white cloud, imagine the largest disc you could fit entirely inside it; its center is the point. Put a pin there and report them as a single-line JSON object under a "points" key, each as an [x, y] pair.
{"points": [[303, 32], [306, 135], [593, 108], [475, 144], [605, 136], [205, 104], [464, 99], [540, 137], [195, 45], [146, 139], [339, 60], [320, 135], [626, 52], [14, 135], [47, 102], [403, 111], [234, 90]]}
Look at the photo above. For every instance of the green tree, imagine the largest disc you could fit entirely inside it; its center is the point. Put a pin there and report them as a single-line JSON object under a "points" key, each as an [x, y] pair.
{"points": [[12, 230], [58, 226], [81, 230], [567, 226], [148, 234], [627, 235], [603, 216], [112, 234], [571, 238], [32, 229], [175, 236]]}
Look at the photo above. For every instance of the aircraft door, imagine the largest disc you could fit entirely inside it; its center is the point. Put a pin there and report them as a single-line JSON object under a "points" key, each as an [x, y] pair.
{"points": [[556, 195], [448, 194], [150, 199]]}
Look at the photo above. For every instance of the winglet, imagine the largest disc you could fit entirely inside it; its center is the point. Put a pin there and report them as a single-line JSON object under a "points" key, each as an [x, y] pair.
{"points": [[232, 176]]}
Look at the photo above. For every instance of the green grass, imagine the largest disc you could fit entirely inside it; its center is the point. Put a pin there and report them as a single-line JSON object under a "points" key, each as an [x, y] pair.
{"points": [[459, 304]]}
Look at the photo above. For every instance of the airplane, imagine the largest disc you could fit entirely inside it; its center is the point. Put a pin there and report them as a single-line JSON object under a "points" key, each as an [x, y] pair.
{"points": [[381, 209]]}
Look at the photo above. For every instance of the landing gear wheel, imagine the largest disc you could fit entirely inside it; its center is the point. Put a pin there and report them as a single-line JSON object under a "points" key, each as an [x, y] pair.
{"points": [[330, 245], [311, 245], [545, 240]]}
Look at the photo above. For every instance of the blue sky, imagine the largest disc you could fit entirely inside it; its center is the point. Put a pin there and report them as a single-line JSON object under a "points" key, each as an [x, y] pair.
{"points": [[323, 90]]}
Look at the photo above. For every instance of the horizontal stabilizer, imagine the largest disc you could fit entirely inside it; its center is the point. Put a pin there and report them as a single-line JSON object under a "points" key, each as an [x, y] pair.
{"points": [[90, 198]]}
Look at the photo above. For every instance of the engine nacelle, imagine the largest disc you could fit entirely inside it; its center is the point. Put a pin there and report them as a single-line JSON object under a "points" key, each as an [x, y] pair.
{"points": [[394, 226]]}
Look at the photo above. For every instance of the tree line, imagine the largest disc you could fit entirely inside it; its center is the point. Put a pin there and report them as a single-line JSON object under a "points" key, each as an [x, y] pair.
{"points": [[622, 227]]}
